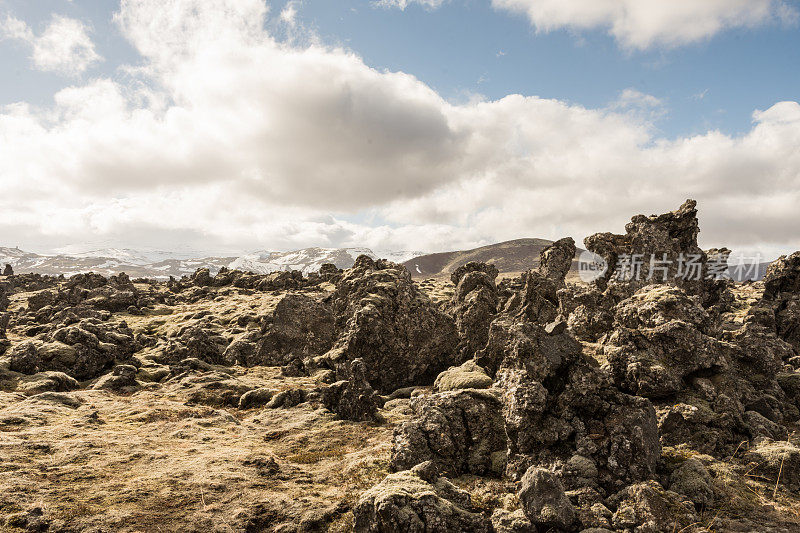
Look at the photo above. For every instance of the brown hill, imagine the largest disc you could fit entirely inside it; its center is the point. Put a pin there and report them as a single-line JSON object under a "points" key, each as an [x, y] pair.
{"points": [[510, 256]]}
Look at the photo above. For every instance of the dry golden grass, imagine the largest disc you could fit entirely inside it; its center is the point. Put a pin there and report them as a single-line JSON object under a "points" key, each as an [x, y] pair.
{"points": [[148, 460]]}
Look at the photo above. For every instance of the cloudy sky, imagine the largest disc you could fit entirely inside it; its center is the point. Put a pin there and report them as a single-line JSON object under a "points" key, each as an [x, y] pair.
{"points": [[236, 125]]}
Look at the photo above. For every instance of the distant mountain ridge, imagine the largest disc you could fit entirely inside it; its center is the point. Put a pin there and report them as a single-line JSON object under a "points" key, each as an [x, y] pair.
{"points": [[159, 264], [510, 256]]}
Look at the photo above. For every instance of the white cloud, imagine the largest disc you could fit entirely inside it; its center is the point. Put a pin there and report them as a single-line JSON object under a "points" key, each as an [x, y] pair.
{"points": [[638, 104], [226, 138], [641, 24], [289, 13], [64, 46], [403, 4]]}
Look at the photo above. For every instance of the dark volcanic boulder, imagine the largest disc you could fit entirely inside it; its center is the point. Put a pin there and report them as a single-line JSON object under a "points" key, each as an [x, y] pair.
{"points": [[544, 501], [557, 405], [661, 249], [82, 350], [556, 260], [353, 398], [417, 500], [300, 327], [523, 340], [589, 311], [8, 270], [121, 379], [659, 342], [391, 325], [202, 278], [782, 294], [473, 305], [538, 299], [4, 320], [783, 277], [461, 431], [196, 341], [86, 281], [4, 301]]}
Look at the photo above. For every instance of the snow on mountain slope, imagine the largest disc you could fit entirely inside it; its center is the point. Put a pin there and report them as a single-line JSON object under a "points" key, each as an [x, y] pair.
{"points": [[306, 260], [137, 256], [151, 263]]}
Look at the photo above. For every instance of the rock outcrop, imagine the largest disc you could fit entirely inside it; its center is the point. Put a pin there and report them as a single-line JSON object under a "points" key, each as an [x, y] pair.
{"points": [[544, 501], [83, 350], [352, 398], [417, 500], [388, 323], [460, 431], [782, 293], [473, 305], [300, 328]]}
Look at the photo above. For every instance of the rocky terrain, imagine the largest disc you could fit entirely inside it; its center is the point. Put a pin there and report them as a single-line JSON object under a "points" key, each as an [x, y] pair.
{"points": [[362, 400]]}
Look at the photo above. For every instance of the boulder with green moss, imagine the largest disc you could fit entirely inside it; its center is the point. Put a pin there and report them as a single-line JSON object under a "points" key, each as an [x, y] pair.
{"points": [[467, 376], [417, 500]]}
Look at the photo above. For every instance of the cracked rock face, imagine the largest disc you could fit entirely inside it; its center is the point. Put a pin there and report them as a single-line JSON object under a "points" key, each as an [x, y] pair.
{"points": [[417, 500], [557, 405], [352, 398], [461, 431], [300, 327], [669, 238], [474, 305], [388, 323]]}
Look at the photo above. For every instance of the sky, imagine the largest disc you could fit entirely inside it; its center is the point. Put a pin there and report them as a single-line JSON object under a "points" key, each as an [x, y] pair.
{"points": [[427, 125]]}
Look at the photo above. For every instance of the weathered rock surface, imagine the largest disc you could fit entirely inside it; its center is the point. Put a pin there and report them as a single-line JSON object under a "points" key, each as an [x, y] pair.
{"points": [[659, 342], [121, 379], [659, 249], [647, 506], [352, 398], [782, 292], [82, 350], [387, 322], [555, 261], [693, 480], [544, 500], [300, 328], [556, 404], [474, 305], [416, 501], [460, 431]]}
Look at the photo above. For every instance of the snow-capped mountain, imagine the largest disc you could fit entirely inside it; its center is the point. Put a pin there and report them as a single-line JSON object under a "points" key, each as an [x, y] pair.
{"points": [[140, 256], [151, 263], [311, 259]]}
